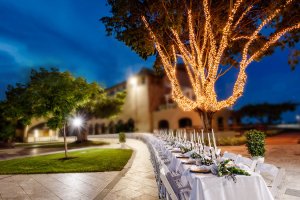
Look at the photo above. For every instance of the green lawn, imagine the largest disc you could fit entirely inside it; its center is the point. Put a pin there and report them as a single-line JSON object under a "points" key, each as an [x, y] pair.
{"points": [[61, 144], [91, 160]]}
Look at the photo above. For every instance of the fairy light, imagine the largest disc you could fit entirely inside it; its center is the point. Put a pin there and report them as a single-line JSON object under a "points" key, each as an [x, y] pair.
{"points": [[202, 57]]}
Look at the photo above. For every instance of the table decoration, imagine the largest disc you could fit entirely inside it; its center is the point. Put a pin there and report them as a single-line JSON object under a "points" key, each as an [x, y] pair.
{"points": [[229, 169]]}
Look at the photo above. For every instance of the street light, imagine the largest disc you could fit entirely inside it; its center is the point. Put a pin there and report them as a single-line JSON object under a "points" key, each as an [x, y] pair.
{"points": [[77, 122]]}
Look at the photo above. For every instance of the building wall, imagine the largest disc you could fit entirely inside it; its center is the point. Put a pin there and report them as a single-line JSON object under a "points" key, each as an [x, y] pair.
{"points": [[148, 101], [173, 115]]}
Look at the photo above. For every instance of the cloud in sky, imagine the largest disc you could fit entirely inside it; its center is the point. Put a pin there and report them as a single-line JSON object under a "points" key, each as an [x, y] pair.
{"points": [[68, 34]]}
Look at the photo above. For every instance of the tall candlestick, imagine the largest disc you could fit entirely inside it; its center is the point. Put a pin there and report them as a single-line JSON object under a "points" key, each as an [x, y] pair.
{"points": [[202, 137], [214, 139], [209, 140]]}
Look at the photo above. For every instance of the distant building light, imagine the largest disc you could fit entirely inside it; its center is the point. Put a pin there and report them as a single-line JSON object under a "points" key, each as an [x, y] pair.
{"points": [[133, 81], [36, 133], [298, 118]]}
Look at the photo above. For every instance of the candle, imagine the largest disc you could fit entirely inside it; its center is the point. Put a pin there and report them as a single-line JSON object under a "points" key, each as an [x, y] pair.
{"points": [[202, 137], [209, 141], [214, 140], [199, 139]]}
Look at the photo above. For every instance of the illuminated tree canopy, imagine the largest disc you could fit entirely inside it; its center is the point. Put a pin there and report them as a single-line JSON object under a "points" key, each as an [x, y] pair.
{"points": [[209, 37]]}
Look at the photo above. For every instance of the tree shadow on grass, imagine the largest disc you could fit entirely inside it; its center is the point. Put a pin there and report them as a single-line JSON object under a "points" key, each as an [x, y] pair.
{"points": [[68, 158]]}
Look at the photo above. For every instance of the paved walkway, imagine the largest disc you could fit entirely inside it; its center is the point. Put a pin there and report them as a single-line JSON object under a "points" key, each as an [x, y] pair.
{"points": [[70, 186], [287, 156], [137, 183]]}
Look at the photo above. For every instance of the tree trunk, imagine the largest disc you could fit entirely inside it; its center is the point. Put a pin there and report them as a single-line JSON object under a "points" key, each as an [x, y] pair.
{"points": [[206, 119], [25, 134], [82, 136], [65, 141]]}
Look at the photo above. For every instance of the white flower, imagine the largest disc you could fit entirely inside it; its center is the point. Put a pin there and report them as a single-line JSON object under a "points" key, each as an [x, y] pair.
{"points": [[230, 164]]}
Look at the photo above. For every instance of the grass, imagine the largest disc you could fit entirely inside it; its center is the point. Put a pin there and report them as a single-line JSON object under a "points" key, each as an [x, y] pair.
{"points": [[61, 144], [91, 160]]}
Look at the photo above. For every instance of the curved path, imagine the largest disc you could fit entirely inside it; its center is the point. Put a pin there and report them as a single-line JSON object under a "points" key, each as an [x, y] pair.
{"points": [[139, 181], [135, 181]]}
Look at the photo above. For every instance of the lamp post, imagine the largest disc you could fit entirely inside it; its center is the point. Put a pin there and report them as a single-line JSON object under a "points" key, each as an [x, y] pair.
{"points": [[77, 122]]}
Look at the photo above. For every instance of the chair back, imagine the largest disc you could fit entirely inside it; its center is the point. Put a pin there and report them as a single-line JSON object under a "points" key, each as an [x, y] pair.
{"points": [[271, 172], [247, 161], [170, 191]]}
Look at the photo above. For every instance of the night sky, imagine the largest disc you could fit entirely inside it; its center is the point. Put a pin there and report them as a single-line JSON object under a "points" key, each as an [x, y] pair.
{"points": [[67, 34]]}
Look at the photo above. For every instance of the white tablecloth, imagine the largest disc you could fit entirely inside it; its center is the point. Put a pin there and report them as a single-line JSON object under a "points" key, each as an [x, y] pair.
{"points": [[211, 187]]}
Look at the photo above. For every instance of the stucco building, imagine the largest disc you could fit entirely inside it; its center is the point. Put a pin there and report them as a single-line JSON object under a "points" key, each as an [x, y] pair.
{"points": [[149, 106]]}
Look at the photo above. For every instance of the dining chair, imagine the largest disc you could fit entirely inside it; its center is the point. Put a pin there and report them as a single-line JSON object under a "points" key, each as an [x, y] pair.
{"points": [[246, 161], [173, 186], [274, 178]]}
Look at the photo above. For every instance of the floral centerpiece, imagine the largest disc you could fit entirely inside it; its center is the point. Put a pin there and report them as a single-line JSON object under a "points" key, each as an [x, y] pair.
{"points": [[205, 160], [229, 169], [185, 148]]}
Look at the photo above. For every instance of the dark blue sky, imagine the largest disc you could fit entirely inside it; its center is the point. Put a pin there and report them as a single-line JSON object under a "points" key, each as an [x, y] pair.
{"points": [[68, 34]]}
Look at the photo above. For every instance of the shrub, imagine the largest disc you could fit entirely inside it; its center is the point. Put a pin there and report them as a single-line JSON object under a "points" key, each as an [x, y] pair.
{"points": [[255, 143], [231, 141], [122, 137]]}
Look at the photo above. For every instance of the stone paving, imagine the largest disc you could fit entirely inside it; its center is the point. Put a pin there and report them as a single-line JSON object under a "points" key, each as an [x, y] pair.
{"points": [[136, 181], [69, 186], [139, 182], [287, 156]]}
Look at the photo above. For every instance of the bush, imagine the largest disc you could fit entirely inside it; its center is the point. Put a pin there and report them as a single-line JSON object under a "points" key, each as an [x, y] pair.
{"points": [[231, 141], [122, 137], [255, 143], [7, 132]]}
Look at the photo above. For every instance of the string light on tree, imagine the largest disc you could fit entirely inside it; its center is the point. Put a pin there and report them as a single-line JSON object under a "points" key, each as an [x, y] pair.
{"points": [[202, 55]]}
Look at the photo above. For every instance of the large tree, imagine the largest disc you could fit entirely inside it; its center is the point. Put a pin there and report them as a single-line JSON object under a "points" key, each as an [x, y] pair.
{"points": [[209, 37], [265, 113], [57, 96]]}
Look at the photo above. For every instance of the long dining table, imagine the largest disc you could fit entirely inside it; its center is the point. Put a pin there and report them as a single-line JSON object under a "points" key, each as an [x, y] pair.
{"points": [[207, 186]]}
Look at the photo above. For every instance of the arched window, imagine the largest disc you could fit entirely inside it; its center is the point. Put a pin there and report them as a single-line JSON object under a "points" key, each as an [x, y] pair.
{"points": [[91, 131], [130, 125], [103, 128], [185, 122], [111, 127], [163, 124], [120, 126], [220, 123], [96, 128]]}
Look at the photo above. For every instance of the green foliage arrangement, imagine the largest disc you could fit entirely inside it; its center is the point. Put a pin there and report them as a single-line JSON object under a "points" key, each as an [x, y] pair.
{"points": [[122, 137], [255, 143], [228, 168], [204, 160], [185, 149], [195, 155]]}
